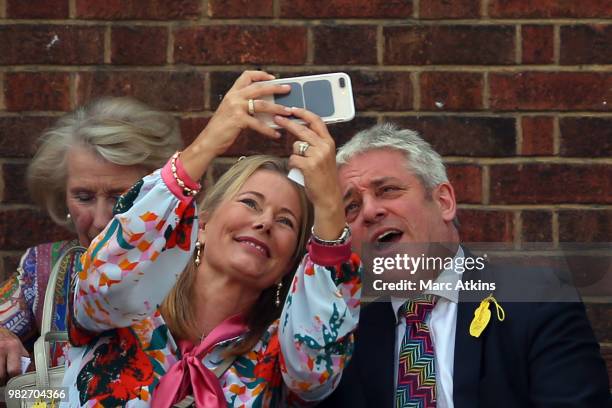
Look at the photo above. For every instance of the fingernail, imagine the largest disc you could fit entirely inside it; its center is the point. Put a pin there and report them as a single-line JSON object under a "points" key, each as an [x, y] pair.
{"points": [[277, 134], [278, 117], [285, 86], [294, 108], [287, 109]]}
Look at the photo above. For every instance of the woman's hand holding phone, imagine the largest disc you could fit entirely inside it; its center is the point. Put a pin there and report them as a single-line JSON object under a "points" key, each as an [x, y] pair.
{"points": [[329, 96], [232, 117], [314, 154]]}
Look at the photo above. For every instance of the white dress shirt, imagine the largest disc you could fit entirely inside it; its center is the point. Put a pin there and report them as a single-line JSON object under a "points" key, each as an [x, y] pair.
{"points": [[441, 322]]}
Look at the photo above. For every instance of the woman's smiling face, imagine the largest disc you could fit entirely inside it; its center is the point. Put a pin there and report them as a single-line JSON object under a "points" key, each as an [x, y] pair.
{"points": [[252, 236]]}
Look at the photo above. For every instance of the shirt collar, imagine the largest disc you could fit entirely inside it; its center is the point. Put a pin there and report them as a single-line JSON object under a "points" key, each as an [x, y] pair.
{"points": [[451, 276]]}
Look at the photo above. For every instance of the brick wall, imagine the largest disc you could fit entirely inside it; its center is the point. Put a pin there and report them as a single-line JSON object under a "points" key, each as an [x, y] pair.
{"points": [[516, 94]]}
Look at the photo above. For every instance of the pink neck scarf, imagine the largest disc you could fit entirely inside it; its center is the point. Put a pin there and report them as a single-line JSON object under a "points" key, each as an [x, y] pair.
{"points": [[189, 376]]}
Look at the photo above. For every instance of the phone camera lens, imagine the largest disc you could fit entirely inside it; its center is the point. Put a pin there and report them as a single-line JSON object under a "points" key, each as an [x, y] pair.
{"points": [[342, 82]]}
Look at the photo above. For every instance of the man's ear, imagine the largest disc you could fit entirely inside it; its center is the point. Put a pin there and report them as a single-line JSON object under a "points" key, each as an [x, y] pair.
{"points": [[444, 196]]}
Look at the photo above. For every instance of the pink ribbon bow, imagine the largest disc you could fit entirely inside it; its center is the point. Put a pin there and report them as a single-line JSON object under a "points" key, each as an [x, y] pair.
{"points": [[189, 376]]}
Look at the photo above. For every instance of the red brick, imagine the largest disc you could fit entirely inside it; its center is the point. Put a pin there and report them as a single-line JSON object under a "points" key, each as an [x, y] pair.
{"points": [[51, 44], [37, 9], [468, 45], [219, 168], [138, 9], [34, 227], [537, 44], [449, 9], [372, 90], [20, 134], [252, 143], [220, 83], [467, 182], [551, 91], [464, 136], [15, 188], [586, 137], [343, 132], [547, 183], [586, 44], [346, 9], [240, 8], [378, 90], [537, 136], [191, 128], [550, 9], [175, 91], [600, 315], [486, 226], [537, 226], [451, 91], [25, 91], [249, 142], [585, 225], [217, 45], [139, 45], [345, 45]]}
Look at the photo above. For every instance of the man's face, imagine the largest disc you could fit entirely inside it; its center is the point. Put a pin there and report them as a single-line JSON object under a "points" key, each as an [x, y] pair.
{"points": [[386, 202]]}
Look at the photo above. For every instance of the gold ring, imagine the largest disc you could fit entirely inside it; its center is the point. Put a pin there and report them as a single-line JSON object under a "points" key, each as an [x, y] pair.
{"points": [[251, 107], [302, 147]]}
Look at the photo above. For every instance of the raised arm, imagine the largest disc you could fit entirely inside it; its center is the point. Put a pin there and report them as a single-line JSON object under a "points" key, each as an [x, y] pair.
{"points": [[322, 309], [318, 320], [131, 266]]}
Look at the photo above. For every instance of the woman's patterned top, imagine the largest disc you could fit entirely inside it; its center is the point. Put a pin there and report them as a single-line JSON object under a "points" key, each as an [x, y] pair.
{"points": [[122, 346], [22, 295]]}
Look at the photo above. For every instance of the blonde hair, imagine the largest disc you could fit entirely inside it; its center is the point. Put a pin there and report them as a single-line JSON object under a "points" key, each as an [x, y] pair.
{"points": [[122, 131], [177, 308]]}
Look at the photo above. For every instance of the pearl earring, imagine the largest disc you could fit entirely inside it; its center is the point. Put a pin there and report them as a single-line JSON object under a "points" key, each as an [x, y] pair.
{"points": [[197, 252]]}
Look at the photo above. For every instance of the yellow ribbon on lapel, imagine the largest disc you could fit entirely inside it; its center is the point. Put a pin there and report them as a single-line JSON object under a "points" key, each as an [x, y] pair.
{"points": [[482, 316]]}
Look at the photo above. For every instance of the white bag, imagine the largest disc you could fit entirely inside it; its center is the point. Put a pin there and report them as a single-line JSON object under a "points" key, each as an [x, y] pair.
{"points": [[44, 377]]}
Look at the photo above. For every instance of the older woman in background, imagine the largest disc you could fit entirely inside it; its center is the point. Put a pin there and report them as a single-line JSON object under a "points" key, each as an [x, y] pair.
{"points": [[84, 163]]}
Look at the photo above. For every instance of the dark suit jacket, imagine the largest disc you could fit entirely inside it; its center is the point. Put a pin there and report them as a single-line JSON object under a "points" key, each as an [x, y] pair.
{"points": [[542, 355]]}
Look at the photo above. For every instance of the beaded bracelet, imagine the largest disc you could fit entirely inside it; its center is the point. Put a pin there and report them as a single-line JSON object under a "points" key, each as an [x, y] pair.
{"points": [[186, 190]]}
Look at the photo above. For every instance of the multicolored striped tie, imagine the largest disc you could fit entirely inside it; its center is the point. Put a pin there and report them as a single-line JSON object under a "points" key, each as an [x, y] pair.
{"points": [[416, 382]]}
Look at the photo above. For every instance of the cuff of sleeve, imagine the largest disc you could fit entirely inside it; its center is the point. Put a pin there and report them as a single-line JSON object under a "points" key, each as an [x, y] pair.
{"points": [[173, 186], [328, 255]]}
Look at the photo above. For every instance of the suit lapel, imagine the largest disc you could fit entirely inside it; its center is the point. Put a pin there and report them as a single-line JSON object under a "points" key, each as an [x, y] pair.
{"points": [[468, 352], [468, 349], [377, 339]]}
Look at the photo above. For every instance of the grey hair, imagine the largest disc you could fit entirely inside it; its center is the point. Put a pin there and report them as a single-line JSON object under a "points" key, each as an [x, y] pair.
{"points": [[421, 158], [122, 131]]}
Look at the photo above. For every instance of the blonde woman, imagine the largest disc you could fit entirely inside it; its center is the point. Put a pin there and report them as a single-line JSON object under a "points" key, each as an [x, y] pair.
{"points": [[84, 163], [175, 300]]}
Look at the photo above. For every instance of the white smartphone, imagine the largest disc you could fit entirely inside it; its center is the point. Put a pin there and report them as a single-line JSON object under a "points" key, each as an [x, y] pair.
{"points": [[328, 95]]}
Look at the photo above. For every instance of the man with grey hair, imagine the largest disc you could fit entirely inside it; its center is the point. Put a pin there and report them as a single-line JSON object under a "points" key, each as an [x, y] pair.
{"points": [[420, 353]]}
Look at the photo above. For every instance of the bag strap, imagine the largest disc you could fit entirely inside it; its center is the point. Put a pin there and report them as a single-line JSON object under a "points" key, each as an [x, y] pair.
{"points": [[41, 358]]}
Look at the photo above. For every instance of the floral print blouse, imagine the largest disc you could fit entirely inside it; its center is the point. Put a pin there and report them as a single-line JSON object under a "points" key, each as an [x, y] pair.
{"points": [[121, 346]]}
